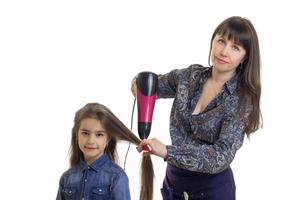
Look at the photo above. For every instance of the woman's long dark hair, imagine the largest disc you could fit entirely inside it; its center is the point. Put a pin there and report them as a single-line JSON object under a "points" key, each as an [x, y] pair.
{"points": [[242, 32], [116, 131]]}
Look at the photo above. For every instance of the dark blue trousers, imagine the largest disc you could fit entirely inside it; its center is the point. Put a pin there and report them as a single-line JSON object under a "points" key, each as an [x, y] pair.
{"points": [[198, 185]]}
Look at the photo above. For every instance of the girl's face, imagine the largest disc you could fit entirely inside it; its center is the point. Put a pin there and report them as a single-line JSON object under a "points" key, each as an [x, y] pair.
{"points": [[92, 139], [225, 54]]}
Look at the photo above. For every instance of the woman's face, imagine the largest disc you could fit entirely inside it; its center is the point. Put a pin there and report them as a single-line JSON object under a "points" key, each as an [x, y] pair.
{"points": [[92, 139], [225, 54]]}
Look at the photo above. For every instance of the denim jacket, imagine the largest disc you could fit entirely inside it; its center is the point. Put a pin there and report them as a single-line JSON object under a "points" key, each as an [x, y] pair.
{"points": [[102, 180]]}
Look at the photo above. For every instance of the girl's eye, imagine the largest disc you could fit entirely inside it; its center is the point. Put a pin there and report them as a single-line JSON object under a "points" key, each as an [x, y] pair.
{"points": [[84, 133], [99, 134]]}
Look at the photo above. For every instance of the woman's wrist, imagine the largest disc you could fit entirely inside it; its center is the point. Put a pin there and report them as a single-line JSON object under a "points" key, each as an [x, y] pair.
{"points": [[165, 156]]}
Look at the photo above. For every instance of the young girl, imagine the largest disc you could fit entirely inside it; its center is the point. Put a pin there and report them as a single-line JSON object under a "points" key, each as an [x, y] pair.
{"points": [[93, 173]]}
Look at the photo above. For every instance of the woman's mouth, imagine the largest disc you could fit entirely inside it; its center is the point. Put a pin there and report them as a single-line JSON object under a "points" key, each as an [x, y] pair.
{"points": [[221, 61]]}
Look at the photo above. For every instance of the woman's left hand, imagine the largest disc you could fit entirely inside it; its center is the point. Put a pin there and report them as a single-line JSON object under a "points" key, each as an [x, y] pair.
{"points": [[157, 147]]}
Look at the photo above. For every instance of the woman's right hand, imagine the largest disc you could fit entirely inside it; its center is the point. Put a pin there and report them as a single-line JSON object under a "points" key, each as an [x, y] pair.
{"points": [[133, 87], [157, 147]]}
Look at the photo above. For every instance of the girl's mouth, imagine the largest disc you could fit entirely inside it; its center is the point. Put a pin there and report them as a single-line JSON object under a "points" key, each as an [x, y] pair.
{"points": [[90, 148]]}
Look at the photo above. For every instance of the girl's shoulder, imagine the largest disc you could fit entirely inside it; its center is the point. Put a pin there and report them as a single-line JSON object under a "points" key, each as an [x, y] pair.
{"points": [[73, 173], [71, 170], [114, 168]]}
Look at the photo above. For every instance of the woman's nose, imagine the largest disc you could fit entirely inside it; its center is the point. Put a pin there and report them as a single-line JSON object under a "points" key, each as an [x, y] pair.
{"points": [[224, 51]]}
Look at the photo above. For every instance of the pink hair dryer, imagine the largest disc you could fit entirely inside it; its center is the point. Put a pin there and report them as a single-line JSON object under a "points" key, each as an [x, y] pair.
{"points": [[146, 97]]}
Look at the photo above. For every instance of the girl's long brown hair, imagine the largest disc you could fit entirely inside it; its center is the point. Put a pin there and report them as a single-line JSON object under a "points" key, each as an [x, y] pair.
{"points": [[242, 32], [116, 131]]}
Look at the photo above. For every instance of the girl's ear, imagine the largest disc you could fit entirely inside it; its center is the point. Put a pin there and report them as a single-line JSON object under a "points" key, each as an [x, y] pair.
{"points": [[108, 140], [107, 143], [106, 147]]}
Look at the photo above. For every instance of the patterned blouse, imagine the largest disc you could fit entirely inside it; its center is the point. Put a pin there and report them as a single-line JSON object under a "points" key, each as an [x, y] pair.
{"points": [[206, 142]]}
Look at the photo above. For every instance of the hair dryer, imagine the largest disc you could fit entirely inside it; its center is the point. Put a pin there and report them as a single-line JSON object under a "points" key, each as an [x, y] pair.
{"points": [[146, 97]]}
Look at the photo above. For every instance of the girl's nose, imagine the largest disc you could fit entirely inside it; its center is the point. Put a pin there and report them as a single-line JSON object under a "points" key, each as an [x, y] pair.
{"points": [[91, 139]]}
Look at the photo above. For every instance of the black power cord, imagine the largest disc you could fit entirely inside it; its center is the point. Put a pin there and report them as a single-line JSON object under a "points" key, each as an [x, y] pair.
{"points": [[131, 130]]}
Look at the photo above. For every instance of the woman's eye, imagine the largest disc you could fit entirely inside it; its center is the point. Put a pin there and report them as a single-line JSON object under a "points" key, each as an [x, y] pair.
{"points": [[236, 48], [221, 41]]}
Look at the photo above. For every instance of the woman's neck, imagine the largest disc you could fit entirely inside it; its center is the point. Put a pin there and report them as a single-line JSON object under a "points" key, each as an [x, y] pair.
{"points": [[221, 78]]}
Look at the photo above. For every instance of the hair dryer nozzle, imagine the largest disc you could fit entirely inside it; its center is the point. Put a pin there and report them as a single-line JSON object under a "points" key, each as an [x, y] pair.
{"points": [[146, 97]]}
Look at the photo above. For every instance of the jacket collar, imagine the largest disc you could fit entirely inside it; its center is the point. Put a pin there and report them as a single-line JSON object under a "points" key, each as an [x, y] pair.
{"points": [[97, 165]]}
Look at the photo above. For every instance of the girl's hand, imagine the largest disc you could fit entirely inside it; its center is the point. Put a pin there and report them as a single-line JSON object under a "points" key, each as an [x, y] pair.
{"points": [[157, 147]]}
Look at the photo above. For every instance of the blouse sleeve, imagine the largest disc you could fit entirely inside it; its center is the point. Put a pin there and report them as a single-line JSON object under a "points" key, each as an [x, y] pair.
{"points": [[167, 84], [212, 158]]}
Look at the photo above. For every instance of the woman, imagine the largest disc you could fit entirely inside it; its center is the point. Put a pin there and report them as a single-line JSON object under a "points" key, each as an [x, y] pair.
{"points": [[213, 108]]}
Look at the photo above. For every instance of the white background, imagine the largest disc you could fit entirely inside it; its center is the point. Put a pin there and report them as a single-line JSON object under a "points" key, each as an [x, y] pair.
{"points": [[55, 56]]}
